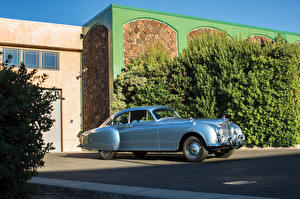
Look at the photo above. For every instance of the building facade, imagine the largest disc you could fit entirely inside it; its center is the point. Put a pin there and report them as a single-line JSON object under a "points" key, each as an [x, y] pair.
{"points": [[82, 61], [56, 50]]}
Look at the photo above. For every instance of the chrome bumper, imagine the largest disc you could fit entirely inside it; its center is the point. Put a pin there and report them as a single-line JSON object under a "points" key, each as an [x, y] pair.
{"points": [[229, 144]]}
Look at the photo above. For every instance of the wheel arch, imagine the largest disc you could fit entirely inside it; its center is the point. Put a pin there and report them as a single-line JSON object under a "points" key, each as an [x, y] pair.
{"points": [[107, 139], [187, 135]]}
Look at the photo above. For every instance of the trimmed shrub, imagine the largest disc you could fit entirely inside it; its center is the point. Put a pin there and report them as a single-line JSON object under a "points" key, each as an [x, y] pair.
{"points": [[144, 81], [253, 86], [25, 112]]}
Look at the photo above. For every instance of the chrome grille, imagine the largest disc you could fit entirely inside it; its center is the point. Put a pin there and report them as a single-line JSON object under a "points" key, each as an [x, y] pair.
{"points": [[226, 129]]}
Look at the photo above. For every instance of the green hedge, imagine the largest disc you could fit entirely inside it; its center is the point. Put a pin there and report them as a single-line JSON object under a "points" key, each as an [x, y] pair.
{"points": [[25, 111], [252, 85], [256, 87], [144, 82]]}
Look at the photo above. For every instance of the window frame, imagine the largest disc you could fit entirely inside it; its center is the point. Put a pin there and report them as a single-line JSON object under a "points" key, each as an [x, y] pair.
{"points": [[5, 54], [37, 58], [43, 64], [40, 62]]}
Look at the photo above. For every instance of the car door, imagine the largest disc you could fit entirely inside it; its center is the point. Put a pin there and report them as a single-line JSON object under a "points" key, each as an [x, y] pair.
{"points": [[170, 132], [170, 128], [142, 133]]}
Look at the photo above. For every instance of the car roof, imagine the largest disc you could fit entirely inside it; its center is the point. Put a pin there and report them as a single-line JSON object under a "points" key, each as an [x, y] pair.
{"points": [[147, 108]]}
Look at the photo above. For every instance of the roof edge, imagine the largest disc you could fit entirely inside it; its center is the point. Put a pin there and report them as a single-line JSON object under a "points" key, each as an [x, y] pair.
{"points": [[101, 13], [41, 22], [199, 18]]}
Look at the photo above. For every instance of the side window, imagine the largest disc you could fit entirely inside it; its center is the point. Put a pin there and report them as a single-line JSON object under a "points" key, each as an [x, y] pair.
{"points": [[121, 119], [14, 54], [31, 59], [140, 116], [50, 60]]}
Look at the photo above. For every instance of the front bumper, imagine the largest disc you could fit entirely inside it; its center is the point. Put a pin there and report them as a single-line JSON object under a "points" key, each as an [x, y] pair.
{"points": [[229, 144]]}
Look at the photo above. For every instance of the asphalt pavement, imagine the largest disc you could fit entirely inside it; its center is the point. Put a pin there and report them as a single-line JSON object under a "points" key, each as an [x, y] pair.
{"points": [[263, 173]]}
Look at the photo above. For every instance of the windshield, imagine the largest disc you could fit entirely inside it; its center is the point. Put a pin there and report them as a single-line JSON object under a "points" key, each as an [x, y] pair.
{"points": [[165, 113]]}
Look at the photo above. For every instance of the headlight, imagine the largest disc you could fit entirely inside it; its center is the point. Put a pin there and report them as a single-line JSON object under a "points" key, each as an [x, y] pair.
{"points": [[220, 134], [219, 131], [239, 134], [238, 131]]}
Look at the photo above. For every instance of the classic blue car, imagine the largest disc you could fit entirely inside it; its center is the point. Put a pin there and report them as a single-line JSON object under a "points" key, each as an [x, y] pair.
{"points": [[160, 128]]}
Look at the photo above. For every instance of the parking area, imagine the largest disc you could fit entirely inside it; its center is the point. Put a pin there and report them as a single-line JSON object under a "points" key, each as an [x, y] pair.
{"points": [[267, 173]]}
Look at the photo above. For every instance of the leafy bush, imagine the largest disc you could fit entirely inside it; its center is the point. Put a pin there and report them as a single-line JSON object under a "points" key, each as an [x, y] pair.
{"points": [[256, 87], [253, 86], [25, 110], [144, 81]]}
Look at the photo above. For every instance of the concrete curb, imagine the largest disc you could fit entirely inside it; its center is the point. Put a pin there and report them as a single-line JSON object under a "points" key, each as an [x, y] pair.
{"points": [[74, 189]]}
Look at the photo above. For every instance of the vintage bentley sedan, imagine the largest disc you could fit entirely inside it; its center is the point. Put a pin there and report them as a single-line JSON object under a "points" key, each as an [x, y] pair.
{"points": [[159, 128]]}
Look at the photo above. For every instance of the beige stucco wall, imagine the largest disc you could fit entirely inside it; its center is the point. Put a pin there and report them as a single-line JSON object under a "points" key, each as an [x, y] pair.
{"points": [[65, 40], [38, 33], [65, 79]]}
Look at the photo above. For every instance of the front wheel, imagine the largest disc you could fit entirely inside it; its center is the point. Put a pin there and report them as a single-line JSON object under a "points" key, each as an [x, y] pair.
{"points": [[107, 154], [194, 149], [224, 153]]}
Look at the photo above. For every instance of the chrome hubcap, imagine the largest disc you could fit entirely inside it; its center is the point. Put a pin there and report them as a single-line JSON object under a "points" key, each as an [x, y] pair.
{"points": [[193, 149]]}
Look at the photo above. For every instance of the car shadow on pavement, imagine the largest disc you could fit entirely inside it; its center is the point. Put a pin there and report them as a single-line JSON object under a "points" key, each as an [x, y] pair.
{"points": [[84, 155], [274, 176], [125, 156]]}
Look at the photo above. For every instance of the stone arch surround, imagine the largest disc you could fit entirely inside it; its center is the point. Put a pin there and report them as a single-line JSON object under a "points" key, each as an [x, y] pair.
{"points": [[202, 30], [95, 82], [261, 40], [141, 34]]}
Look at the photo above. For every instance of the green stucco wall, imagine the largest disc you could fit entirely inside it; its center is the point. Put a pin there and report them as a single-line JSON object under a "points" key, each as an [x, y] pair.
{"points": [[116, 16]]}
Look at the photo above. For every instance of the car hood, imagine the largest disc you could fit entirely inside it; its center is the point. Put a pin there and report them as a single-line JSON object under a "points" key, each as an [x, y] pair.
{"points": [[211, 121], [199, 121]]}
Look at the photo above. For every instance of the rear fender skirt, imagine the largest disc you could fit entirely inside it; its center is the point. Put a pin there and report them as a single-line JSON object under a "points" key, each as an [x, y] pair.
{"points": [[106, 139]]}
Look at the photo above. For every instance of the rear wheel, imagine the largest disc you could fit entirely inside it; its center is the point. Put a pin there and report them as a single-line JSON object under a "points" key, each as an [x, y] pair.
{"points": [[139, 154], [194, 150], [224, 153], [107, 154]]}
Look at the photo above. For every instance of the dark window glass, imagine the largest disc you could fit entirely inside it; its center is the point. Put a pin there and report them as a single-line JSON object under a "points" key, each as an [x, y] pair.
{"points": [[15, 56], [121, 119], [50, 60], [31, 59], [140, 116]]}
